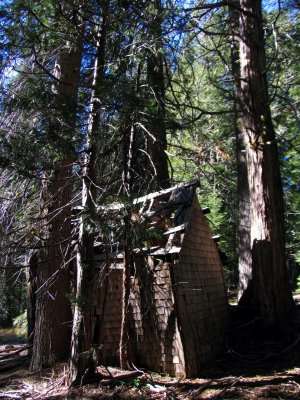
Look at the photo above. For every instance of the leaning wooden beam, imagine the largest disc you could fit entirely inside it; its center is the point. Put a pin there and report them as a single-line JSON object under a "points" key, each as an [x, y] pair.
{"points": [[178, 228], [150, 196]]}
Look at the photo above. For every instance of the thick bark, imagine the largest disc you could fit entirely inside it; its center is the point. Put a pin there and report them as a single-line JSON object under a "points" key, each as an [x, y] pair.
{"points": [[272, 294], [157, 144], [243, 227], [53, 311], [83, 360], [31, 273]]}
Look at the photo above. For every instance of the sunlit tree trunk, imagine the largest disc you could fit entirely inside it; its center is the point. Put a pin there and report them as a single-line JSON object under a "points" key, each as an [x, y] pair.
{"points": [[243, 227], [272, 295]]}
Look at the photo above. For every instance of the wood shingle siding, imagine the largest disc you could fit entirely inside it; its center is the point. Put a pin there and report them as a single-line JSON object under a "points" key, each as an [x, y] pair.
{"points": [[178, 313]]}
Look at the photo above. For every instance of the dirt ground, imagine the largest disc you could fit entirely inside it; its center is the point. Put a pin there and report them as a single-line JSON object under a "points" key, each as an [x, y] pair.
{"points": [[261, 381], [250, 368]]}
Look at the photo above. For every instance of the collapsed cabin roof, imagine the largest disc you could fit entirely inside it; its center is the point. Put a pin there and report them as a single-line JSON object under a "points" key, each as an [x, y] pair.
{"points": [[162, 216]]}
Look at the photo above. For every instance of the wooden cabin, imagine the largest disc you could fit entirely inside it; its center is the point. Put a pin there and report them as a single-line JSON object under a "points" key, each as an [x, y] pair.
{"points": [[176, 313]]}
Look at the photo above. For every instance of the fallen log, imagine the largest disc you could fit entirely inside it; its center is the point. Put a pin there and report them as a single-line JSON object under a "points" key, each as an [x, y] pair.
{"points": [[7, 364], [7, 348], [12, 352], [121, 377], [6, 396]]}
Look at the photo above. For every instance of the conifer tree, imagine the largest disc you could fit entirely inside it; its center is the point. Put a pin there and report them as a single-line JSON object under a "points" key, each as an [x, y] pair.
{"points": [[271, 291], [83, 358], [52, 311]]}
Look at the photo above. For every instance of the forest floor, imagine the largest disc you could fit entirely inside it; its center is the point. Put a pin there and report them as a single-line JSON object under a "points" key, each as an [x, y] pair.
{"points": [[249, 369]]}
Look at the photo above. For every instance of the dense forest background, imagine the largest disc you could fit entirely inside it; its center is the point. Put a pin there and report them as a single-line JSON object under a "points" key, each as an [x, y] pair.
{"points": [[104, 101]]}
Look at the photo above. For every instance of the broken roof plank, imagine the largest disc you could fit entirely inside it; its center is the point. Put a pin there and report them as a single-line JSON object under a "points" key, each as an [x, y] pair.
{"points": [[163, 251], [175, 229], [146, 250], [150, 196], [111, 207]]}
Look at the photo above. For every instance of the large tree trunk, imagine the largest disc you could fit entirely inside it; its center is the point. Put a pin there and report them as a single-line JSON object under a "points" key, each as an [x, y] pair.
{"points": [[157, 144], [83, 360], [243, 227], [31, 273], [53, 311], [272, 294]]}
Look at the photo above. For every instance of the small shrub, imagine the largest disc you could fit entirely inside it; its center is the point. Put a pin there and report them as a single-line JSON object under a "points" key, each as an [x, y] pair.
{"points": [[20, 324]]}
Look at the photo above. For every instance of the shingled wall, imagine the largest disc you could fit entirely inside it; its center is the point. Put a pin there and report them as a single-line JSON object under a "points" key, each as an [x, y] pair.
{"points": [[199, 294], [109, 312], [178, 306], [156, 340]]}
